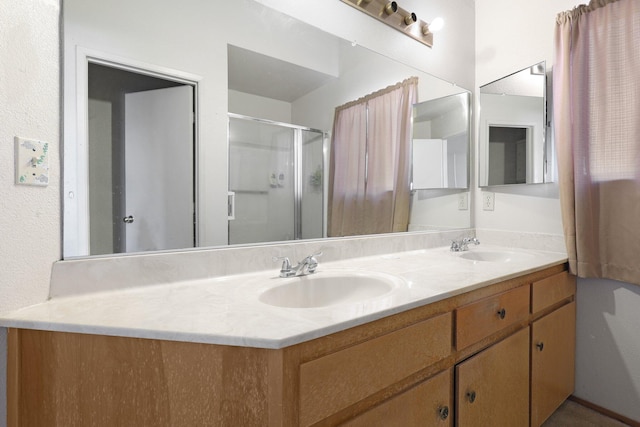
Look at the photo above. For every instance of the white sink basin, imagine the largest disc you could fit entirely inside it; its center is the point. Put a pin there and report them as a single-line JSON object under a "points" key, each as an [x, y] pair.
{"points": [[495, 256], [325, 289]]}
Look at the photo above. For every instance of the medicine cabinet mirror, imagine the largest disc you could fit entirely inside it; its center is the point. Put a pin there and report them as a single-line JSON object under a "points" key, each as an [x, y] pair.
{"points": [[275, 70], [440, 144], [514, 146]]}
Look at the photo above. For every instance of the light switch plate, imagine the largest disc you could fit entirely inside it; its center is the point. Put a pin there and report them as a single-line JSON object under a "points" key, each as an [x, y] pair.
{"points": [[32, 162]]}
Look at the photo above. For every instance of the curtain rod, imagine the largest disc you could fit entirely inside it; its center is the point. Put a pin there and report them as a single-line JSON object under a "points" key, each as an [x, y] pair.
{"points": [[367, 98]]}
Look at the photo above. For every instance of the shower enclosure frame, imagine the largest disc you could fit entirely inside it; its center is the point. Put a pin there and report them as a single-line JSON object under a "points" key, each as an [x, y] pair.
{"points": [[297, 170]]}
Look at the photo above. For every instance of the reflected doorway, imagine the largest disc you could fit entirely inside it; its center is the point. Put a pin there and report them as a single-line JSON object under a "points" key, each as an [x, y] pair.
{"points": [[141, 146]]}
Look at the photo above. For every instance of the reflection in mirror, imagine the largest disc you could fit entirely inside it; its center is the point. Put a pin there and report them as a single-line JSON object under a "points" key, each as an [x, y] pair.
{"points": [[275, 181], [513, 147], [258, 71], [440, 163], [441, 143]]}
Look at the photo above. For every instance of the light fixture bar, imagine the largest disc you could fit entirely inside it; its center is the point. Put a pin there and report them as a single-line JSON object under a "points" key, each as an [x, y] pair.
{"points": [[394, 16]]}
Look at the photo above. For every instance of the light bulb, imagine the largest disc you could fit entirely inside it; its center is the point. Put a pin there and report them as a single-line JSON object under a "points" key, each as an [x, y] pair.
{"points": [[436, 25]]}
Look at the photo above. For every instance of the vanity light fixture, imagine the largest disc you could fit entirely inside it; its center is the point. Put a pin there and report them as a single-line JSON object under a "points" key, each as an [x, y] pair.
{"points": [[410, 19], [391, 8], [394, 16]]}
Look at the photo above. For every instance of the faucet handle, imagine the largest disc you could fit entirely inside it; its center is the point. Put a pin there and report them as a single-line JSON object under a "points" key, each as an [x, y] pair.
{"points": [[318, 254], [285, 270], [312, 262]]}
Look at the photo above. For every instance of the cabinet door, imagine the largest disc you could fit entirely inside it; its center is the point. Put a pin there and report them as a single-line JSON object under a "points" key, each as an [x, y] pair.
{"points": [[492, 387], [426, 405], [553, 350]]}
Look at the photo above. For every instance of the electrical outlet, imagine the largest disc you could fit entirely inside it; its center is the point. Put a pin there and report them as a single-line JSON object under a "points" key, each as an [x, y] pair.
{"points": [[463, 201], [488, 200]]}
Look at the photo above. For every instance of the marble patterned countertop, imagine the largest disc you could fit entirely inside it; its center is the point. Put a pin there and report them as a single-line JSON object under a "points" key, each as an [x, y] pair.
{"points": [[226, 310]]}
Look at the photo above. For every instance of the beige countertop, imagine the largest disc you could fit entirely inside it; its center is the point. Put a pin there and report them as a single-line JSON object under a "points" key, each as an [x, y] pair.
{"points": [[227, 310]]}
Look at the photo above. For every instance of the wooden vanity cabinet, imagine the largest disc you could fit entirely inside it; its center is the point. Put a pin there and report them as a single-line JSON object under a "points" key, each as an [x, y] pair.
{"points": [[553, 345], [492, 387], [418, 367]]}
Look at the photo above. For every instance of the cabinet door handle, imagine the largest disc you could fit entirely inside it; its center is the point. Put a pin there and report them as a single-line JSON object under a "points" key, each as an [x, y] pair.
{"points": [[540, 346], [443, 412], [128, 219], [502, 313], [471, 395]]}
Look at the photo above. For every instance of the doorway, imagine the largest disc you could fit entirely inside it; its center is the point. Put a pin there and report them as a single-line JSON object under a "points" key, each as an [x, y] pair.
{"points": [[141, 161]]}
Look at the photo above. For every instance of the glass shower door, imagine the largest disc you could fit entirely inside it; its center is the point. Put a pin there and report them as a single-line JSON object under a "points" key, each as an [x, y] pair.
{"points": [[261, 182], [312, 184]]}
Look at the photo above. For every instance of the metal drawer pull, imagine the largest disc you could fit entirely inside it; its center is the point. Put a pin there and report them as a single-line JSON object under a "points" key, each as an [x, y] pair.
{"points": [[471, 395], [443, 412], [502, 313]]}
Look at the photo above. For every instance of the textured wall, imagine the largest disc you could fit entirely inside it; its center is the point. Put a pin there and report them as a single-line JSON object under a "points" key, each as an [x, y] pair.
{"points": [[29, 107]]}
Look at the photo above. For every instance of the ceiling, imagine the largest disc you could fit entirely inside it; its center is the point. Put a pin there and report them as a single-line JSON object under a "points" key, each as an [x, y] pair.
{"points": [[262, 75]]}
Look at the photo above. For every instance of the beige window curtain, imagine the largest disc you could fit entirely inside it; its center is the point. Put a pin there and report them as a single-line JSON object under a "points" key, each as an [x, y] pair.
{"points": [[596, 90], [369, 168]]}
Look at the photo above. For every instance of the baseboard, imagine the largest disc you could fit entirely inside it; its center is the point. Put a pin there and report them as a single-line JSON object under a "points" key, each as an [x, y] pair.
{"points": [[605, 411]]}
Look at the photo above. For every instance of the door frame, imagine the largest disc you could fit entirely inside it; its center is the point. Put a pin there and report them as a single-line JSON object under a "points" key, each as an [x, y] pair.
{"points": [[75, 188]]}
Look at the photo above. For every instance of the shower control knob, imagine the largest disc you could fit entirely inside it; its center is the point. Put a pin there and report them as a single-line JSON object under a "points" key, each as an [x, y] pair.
{"points": [[128, 219]]}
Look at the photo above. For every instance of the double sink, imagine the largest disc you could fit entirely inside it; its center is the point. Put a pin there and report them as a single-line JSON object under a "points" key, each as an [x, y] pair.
{"points": [[329, 288]]}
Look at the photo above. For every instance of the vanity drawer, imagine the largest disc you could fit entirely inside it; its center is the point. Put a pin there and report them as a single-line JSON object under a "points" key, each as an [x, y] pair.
{"points": [[482, 318], [553, 289], [427, 404], [338, 380]]}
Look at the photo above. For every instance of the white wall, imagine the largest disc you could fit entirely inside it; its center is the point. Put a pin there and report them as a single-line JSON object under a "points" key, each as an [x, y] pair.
{"points": [[29, 100], [510, 35]]}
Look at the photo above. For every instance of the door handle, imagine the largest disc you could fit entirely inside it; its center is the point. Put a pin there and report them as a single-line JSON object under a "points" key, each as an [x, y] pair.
{"points": [[231, 205], [128, 219]]}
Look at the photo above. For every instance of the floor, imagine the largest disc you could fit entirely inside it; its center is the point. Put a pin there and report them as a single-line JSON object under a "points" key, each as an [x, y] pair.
{"points": [[572, 414]]}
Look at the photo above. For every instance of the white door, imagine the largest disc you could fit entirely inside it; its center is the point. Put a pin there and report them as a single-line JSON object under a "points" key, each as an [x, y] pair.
{"points": [[429, 164], [159, 172]]}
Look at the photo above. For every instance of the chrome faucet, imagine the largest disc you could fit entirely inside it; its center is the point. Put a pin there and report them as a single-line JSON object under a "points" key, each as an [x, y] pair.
{"points": [[463, 245], [307, 266]]}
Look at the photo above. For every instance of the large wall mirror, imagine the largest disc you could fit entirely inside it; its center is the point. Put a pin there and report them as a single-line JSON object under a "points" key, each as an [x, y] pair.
{"points": [[513, 145], [232, 125]]}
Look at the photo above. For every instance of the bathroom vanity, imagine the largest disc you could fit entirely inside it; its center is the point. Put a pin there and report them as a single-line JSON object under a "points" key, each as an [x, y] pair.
{"points": [[492, 343]]}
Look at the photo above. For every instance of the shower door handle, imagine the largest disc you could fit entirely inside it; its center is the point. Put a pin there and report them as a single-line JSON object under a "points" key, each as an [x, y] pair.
{"points": [[231, 205]]}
